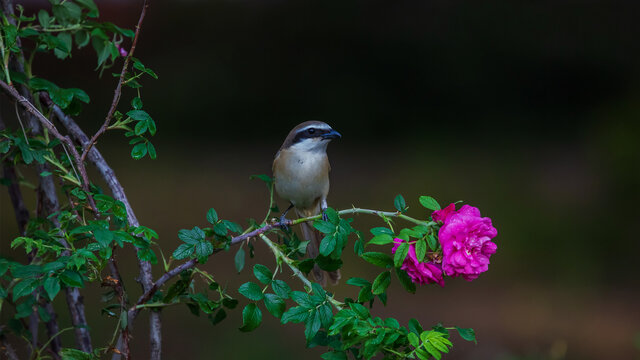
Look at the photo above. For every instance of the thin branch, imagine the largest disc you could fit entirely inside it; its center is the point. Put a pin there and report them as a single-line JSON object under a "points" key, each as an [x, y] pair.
{"points": [[134, 310], [118, 91], [117, 190], [29, 107]]}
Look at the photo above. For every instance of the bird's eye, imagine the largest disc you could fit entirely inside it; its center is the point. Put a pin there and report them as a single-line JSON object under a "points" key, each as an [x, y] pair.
{"points": [[311, 131]]}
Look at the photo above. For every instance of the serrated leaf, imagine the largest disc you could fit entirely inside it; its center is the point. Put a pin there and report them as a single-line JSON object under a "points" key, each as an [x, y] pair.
{"points": [[324, 227], [401, 254], [212, 216], [467, 333], [381, 230], [405, 280], [302, 298], [381, 239], [274, 304], [251, 291], [71, 278], [262, 273], [296, 314], [139, 115], [23, 288], [52, 287], [312, 325], [381, 283], [251, 317], [399, 203], [421, 249], [193, 236], [432, 242], [378, 259], [429, 203], [183, 251], [281, 288], [204, 249], [327, 245]]}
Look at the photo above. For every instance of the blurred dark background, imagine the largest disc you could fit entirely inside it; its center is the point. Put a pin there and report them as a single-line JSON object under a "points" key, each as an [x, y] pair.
{"points": [[527, 110]]}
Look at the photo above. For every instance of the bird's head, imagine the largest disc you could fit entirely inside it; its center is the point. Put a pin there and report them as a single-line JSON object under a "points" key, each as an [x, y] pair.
{"points": [[310, 136]]}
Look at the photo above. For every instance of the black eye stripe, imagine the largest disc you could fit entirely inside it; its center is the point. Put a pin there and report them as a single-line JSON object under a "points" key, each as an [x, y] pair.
{"points": [[309, 133]]}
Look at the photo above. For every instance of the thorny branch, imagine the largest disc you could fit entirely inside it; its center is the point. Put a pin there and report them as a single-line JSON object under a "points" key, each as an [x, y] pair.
{"points": [[118, 90]]}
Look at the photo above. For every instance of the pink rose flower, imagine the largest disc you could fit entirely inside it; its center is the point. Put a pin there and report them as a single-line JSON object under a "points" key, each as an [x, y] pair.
{"points": [[419, 272], [466, 243]]}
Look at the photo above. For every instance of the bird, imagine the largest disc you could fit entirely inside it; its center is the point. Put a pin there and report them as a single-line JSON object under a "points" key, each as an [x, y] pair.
{"points": [[301, 176]]}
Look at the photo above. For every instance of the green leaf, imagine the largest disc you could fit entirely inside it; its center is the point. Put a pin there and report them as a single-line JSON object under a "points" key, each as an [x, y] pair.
{"points": [[82, 38], [139, 115], [421, 249], [401, 254], [312, 325], [24, 287], [268, 180], [52, 287], [139, 151], [183, 251], [151, 150], [73, 354], [381, 230], [262, 273], [467, 333], [274, 304], [405, 280], [358, 282], [433, 351], [251, 291], [433, 243], [212, 216], [400, 204], [104, 237], [136, 103], [71, 278], [334, 355], [141, 128], [302, 298], [360, 311], [220, 315], [382, 239], [429, 202], [43, 18], [204, 249], [281, 288], [296, 314], [327, 245], [381, 283], [324, 226], [378, 259], [251, 317], [239, 260], [193, 236], [413, 339]]}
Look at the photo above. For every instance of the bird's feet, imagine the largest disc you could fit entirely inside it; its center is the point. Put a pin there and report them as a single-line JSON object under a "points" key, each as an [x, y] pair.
{"points": [[283, 223], [325, 217]]}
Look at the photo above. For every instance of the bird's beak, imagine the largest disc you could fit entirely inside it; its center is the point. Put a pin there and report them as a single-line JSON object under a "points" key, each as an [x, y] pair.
{"points": [[331, 135]]}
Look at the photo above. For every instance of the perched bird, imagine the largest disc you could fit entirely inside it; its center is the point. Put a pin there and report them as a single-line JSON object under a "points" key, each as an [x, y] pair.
{"points": [[301, 176]]}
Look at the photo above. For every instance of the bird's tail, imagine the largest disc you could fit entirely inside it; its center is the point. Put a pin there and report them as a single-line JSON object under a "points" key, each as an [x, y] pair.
{"points": [[309, 233]]}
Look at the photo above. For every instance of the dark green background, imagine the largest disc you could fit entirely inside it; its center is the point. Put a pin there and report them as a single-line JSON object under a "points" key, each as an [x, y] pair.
{"points": [[527, 110]]}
